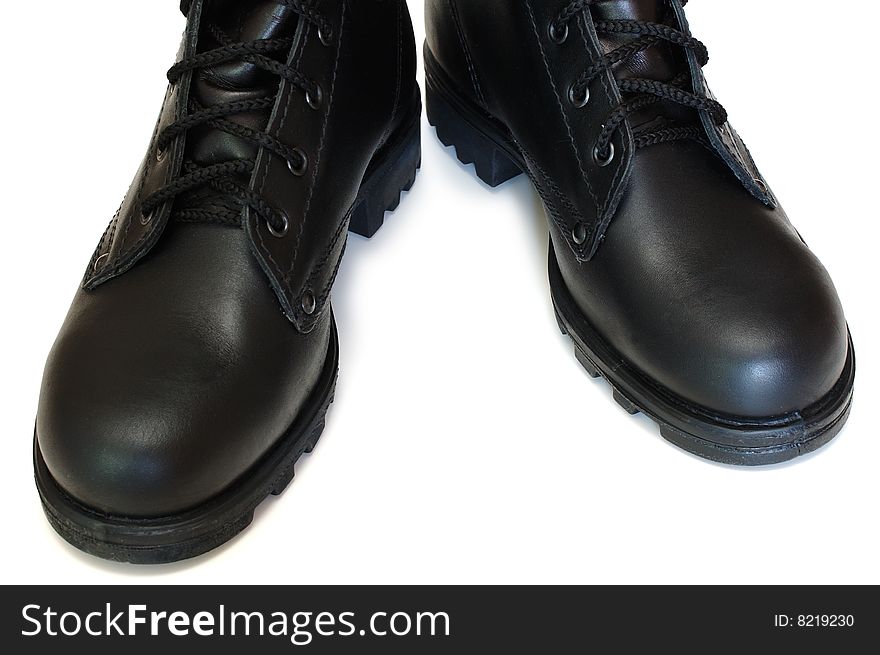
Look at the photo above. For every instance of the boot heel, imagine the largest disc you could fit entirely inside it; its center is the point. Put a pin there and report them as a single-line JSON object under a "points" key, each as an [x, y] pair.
{"points": [[492, 164], [392, 171]]}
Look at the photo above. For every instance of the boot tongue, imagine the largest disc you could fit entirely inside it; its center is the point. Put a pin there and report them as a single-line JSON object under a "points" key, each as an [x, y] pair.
{"points": [[236, 80], [225, 22], [660, 62]]}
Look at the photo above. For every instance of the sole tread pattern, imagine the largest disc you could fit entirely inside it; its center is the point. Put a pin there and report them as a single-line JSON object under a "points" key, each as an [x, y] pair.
{"points": [[491, 164]]}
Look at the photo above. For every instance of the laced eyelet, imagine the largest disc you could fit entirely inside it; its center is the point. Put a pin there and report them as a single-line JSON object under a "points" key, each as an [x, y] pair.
{"points": [[146, 218], [100, 261], [579, 234], [603, 161], [282, 232], [762, 186], [325, 36], [315, 96], [558, 33], [308, 303], [299, 169], [160, 153], [578, 99]]}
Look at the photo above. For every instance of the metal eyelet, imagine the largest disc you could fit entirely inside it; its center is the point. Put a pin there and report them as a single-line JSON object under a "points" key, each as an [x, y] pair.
{"points": [[315, 97], [325, 36], [309, 304], [100, 261], [578, 100], [160, 153], [603, 161], [762, 186], [298, 169], [146, 218], [558, 33], [579, 234], [279, 233]]}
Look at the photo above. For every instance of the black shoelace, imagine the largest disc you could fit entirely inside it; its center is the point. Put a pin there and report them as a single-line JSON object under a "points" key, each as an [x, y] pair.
{"points": [[645, 92], [220, 177]]}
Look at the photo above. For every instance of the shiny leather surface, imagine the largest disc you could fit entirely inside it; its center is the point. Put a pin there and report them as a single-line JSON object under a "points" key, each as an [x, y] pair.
{"points": [[367, 71], [177, 369], [706, 289], [368, 79], [523, 76], [167, 383], [711, 293]]}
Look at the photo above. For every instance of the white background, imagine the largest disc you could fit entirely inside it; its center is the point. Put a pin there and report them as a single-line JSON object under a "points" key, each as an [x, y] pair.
{"points": [[466, 444]]}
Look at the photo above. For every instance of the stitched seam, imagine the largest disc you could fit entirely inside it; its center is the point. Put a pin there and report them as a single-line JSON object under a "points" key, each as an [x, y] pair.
{"points": [[717, 137], [321, 143], [341, 229], [108, 233], [341, 232], [472, 71], [582, 26], [120, 259], [182, 99], [328, 250], [138, 195], [90, 273], [287, 104], [394, 107], [314, 170], [111, 232], [554, 188], [744, 153], [744, 159], [561, 107], [325, 293]]}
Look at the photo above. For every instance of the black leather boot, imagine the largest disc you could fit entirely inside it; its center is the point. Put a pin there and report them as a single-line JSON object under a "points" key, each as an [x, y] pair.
{"points": [[200, 355], [673, 268]]}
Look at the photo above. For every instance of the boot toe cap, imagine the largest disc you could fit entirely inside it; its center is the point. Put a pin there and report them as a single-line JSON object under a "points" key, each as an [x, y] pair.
{"points": [[168, 384], [764, 364]]}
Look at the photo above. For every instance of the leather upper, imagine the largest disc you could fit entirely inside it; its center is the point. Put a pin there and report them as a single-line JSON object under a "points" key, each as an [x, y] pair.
{"points": [[711, 293], [532, 78], [367, 70], [169, 382], [690, 270], [506, 60], [187, 354]]}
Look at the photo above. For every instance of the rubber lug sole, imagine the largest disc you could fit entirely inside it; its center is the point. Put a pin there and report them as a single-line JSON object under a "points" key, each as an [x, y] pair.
{"points": [[480, 139], [394, 173], [493, 162], [492, 165]]}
